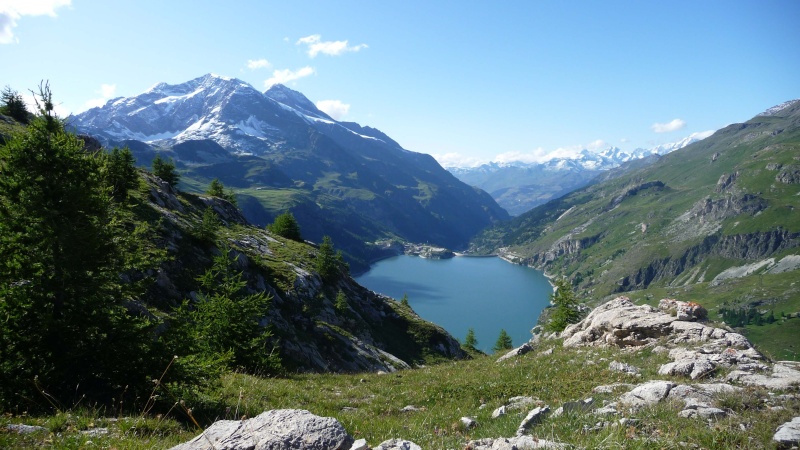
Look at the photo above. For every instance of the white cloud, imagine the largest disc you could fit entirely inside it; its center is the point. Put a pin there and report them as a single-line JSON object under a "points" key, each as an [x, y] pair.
{"points": [[254, 64], [106, 92], [702, 134], [287, 75], [674, 125], [334, 108], [455, 159], [13, 10], [332, 48]]}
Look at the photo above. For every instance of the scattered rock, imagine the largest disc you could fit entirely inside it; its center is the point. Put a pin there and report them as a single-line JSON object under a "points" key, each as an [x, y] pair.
{"points": [[782, 377], [360, 444], [281, 428], [500, 411], [580, 406], [689, 311], [520, 402], [397, 444], [607, 410], [409, 408], [24, 429], [469, 422], [788, 434], [617, 366], [519, 351], [535, 416], [647, 394], [703, 410], [515, 443], [610, 388]]}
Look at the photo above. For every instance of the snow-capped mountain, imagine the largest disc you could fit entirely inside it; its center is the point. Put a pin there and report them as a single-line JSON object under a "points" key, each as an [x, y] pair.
{"points": [[520, 186], [228, 111], [279, 152]]}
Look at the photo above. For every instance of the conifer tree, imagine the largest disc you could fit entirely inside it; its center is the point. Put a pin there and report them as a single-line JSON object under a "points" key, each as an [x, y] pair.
{"points": [[503, 342], [63, 322], [286, 226], [329, 263], [470, 341], [13, 105], [217, 189], [165, 170], [566, 306]]}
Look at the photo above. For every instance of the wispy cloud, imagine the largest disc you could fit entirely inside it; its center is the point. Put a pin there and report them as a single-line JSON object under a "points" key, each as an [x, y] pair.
{"points": [[316, 46], [455, 159], [254, 64], [286, 75], [334, 108], [106, 92], [674, 125], [13, 10]]}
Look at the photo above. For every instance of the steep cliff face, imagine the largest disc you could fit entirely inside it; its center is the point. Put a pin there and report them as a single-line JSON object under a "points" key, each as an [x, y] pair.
{"points": [[323, 326]]}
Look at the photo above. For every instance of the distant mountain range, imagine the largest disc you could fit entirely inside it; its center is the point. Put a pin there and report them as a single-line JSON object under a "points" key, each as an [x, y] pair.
{"points": [[279, 152], [520, 186]]}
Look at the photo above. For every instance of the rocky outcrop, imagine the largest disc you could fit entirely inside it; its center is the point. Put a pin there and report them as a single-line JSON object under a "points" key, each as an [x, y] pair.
{"points": [[633, 190], [788, 434], [697, 350], [277, 429], [747, 247], [789, 174]]}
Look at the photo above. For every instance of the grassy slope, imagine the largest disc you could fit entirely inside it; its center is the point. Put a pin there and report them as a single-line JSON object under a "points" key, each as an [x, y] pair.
{"points": [[369, 406]]}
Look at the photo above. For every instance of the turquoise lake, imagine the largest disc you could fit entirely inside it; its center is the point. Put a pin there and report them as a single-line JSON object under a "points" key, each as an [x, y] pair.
{"points": [[486, 294]]}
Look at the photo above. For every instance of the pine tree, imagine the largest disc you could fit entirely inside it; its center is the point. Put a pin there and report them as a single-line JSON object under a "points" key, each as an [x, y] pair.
{"points": [[470, 341], [63, 320], [341, 304], [329, 263], [286, 226], [217, 189], [165, 170], [223, 328], [13, 105], [565, 310], [404, 300], [503, 342], [120, 173]]}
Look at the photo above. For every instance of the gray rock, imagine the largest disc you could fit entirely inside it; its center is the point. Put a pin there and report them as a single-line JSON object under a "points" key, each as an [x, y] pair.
{"points": [[607, 410], [24, 429], [514, 443], [520, 402], [409, 408], [622, 367], [535, 416], [647, 394], [500, 411], [469, 422], [610, 388], [580, 406], [519, 351], [273, 430], [782, 377], [688, 311], [704, 392], [788, 434], [702, 410], [692, 368], [397, 444], [360, 444]]}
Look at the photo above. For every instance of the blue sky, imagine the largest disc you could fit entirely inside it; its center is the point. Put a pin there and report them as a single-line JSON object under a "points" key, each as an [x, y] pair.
{"points": [[463, 80]]}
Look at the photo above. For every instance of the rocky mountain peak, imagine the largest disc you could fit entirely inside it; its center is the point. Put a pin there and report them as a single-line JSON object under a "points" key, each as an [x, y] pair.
{"points": [[295, 100]]}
